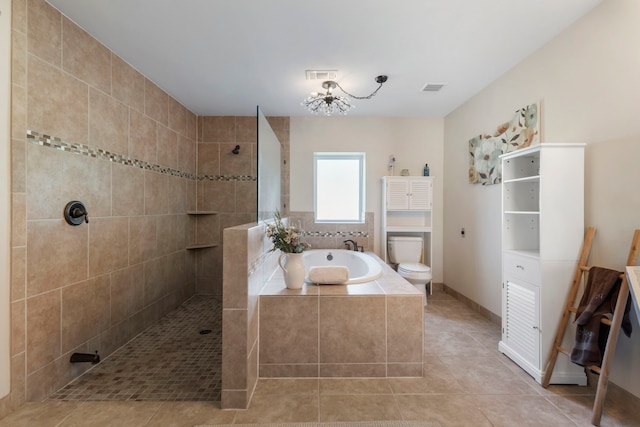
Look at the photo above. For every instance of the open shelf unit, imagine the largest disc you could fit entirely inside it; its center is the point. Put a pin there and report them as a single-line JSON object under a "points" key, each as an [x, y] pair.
{"points": [[542, 230]]}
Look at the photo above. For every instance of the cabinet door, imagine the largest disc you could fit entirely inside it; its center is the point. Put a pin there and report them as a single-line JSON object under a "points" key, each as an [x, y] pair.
{"points": [[397, 194], [420, 192], [521, 330]]}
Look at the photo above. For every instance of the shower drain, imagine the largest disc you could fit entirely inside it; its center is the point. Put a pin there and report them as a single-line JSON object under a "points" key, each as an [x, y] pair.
{"points": [[205, 331]]}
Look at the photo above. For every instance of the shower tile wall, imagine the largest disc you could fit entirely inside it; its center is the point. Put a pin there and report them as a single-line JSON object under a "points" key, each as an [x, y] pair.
{"points": [[228, 188], [94, 286], [228, 185], [97, 285]]}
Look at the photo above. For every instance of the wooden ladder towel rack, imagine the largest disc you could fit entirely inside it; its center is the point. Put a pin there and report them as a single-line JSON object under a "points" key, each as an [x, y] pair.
{"points": [[615, 323]]}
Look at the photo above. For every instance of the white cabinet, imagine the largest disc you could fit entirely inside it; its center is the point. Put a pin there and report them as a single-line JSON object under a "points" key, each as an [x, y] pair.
{"points": [[542, 231], [523, 300], [409, 193], [407, 203]]}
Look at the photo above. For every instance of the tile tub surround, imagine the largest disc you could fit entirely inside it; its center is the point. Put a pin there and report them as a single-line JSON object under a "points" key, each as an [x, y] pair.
{"points": [[373, 329], [250, 286]]}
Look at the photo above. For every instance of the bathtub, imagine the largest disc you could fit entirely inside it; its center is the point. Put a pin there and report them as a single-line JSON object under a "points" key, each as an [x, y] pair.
{"points": [[362, 267]]}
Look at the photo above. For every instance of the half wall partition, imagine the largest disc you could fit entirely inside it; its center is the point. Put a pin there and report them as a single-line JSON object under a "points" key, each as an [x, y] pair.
{"points": [[247, 265]]}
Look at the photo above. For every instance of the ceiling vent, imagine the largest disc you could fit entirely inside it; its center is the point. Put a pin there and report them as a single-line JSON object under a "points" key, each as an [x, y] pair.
{"points": [[322, 74], [432, 87]]}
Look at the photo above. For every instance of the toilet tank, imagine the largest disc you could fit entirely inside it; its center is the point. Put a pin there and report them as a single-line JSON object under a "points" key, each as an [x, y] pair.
{"points": [[404, 249]]}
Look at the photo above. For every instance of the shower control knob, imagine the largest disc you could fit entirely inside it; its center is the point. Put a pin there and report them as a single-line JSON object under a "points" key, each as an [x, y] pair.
{"points": [[75, 213]]}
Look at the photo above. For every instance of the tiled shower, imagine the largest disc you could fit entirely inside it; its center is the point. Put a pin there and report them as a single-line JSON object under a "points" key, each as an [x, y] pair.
{"points": [[87, 126]]}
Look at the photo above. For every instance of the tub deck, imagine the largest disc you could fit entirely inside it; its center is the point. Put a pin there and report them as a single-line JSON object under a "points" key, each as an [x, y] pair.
{"points": [[371, 329]]}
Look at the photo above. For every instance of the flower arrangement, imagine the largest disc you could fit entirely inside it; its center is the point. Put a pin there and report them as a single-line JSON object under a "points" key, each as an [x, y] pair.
{"points": [[287, 239]]}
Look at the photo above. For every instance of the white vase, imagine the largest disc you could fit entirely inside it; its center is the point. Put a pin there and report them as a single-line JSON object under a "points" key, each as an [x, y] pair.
{"points": [[294, 271]]}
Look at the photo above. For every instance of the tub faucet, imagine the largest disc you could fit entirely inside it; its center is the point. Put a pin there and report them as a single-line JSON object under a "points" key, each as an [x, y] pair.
{"points": [[350, 244]]}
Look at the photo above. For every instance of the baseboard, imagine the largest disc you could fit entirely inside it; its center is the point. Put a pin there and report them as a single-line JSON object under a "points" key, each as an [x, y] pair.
{"points": [[494, 318]]}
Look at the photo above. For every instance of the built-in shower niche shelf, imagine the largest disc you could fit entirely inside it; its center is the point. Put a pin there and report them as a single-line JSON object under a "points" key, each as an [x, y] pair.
{"points": [[202, 246], [202, 213]]}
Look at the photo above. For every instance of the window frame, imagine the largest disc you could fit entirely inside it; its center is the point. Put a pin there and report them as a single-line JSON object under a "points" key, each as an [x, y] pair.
{"points": [[361, 158]]}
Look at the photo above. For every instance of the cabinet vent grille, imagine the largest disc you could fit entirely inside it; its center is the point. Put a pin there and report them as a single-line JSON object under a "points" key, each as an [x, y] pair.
{"points": [[397, 192], [521, 332], [424, 188]]}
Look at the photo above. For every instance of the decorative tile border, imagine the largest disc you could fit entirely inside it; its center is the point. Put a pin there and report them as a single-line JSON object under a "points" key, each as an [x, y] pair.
{"points": [[227, 178], [85, 150], [335, 234]]}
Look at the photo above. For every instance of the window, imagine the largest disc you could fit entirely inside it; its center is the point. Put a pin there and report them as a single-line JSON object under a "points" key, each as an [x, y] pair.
{"points": [[339, 187]]}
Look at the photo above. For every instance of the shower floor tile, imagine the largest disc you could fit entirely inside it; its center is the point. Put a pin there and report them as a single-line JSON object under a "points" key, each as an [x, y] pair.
{"points": [[170, 361]]}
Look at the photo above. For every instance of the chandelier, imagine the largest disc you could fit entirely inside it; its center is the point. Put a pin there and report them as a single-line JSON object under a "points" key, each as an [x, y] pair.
{"points": [[329, 103]]}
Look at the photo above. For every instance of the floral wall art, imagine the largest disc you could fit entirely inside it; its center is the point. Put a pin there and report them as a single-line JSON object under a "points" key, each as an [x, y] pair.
{"points": [[484, 150]]}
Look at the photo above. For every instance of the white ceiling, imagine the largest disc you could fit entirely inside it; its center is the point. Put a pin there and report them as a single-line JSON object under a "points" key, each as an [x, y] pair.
{"points": [[224, 57]]}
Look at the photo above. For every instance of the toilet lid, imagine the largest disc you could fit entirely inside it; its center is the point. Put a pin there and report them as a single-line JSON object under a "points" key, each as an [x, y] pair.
{"points": [[414, 267]]}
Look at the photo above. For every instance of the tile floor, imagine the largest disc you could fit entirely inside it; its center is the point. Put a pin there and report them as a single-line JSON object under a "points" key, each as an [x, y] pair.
{"points": [[179, 358], [467, 383]]}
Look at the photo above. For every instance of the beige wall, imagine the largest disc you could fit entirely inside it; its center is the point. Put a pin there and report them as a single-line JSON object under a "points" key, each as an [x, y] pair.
{"points": [[94, 286], [5, 196], [588, 79], [414, 142]]}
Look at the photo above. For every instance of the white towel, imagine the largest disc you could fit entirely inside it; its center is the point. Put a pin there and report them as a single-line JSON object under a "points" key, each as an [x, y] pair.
{"points": [[333, 275]]}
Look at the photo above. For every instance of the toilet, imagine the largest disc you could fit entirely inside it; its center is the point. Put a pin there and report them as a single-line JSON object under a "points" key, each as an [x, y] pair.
{"points": [[406, 251]]}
